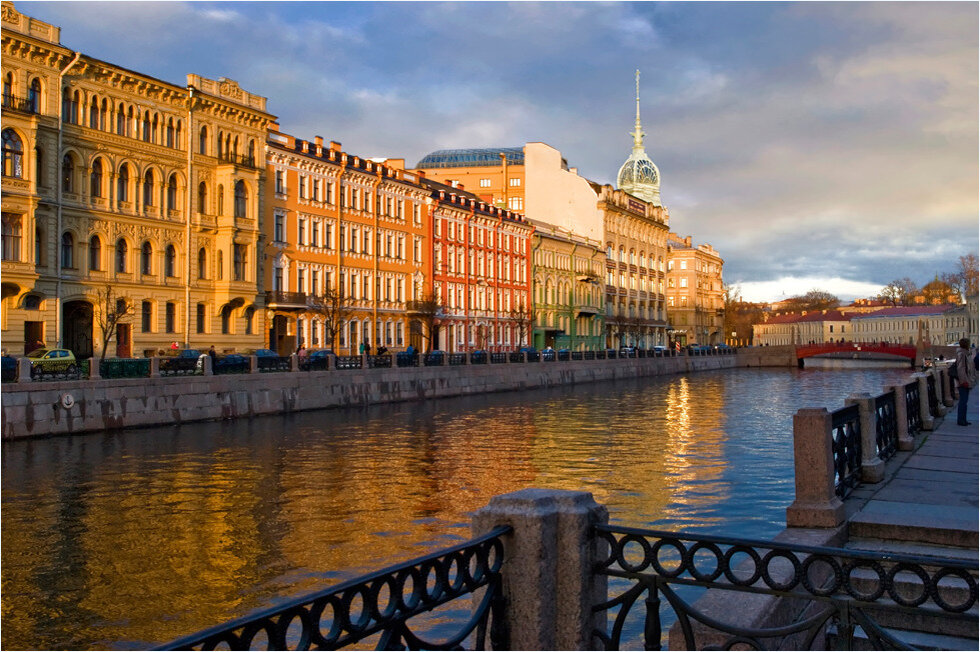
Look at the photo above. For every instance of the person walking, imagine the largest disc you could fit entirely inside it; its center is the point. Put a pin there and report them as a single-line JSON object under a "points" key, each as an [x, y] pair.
{"points": [[966, 379]]}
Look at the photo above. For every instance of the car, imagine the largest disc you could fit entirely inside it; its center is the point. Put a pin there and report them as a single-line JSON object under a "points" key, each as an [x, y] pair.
{"points": [[231, 363], [186, 360], [265, 353], [52, 361], [9, 368], [315, 359]]}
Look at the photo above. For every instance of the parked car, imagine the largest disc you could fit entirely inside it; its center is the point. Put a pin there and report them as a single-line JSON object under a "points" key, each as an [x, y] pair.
{"points": [[231, 363], [52, 361], [315, 359], [185, 360], [265, 353]]}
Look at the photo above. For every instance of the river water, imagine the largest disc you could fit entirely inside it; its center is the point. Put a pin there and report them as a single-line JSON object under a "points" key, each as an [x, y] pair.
{"points": [[127, 540]]}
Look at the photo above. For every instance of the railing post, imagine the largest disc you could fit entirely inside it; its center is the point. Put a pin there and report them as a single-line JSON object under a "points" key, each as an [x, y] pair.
{"points": [[947, 395], [548, 579], [331, 362], [253, 364], [872, 466], [924, 413], [364, 361], [154, 367], [905, 441], [469, 358], [208, 366], [23, 370], [816, 504], [293, 362], [94, 371], [524, 356]]}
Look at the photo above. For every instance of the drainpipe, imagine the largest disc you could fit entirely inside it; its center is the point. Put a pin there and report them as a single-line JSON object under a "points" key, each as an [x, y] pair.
{"points": [[376, 246], [530, 301], [58, 325], [188, 206]]}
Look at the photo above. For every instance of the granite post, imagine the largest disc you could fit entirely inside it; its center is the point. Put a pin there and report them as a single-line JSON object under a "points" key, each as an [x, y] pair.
{"points": [[872, 467], [816, 504]]}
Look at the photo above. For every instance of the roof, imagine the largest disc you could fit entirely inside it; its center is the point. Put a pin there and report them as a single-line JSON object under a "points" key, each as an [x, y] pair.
{"points": [[463, 158], [909, 311]]}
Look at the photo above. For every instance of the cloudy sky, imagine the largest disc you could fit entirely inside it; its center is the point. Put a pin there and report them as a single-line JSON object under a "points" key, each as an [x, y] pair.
{"points": [[815, 145]]}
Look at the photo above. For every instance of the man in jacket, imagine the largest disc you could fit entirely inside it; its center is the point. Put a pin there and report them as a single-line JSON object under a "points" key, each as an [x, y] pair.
{"points": [[966, 379]]}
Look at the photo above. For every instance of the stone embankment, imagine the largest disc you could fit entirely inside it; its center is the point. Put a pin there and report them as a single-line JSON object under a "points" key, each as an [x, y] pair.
{"points": [[68, 407]]}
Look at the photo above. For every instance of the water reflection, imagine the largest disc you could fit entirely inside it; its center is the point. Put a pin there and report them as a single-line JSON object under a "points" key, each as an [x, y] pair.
{"points": [[132, 539]]}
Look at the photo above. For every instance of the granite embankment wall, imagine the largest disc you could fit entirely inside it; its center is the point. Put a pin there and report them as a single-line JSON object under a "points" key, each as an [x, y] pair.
{"points": [[38, 409]]}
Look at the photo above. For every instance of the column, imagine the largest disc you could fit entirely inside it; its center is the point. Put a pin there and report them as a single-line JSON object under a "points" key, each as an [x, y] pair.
{"points": [[905, 442], [253, 364], [872, 467], [94, 371], [155, 367], [816, 504], [927, 421]]}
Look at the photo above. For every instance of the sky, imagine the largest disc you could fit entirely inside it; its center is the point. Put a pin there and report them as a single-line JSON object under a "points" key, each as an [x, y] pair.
{"points": [[828, 146]]}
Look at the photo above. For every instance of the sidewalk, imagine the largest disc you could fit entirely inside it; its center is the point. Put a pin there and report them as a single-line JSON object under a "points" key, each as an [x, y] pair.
{"points": [[928, 502]]}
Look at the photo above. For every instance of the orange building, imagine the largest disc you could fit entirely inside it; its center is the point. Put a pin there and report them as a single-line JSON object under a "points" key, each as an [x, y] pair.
{"points": [[495, 175], [481, 272], [343, 225]]}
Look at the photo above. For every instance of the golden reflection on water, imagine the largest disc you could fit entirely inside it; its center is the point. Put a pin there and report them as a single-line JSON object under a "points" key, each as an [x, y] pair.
{"points": [[130, 540]]}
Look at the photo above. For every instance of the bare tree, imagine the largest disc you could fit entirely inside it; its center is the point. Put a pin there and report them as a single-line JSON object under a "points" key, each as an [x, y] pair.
{"points": [[900, 292], [813, 300], [427, 310], [112, 309], [333, 308], [522, 318], [968, 274]]}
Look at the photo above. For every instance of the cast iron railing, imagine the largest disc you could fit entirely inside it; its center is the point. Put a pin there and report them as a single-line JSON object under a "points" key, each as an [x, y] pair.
{"points": [[498, 358], [843, 594], [432, 359], [9, 373], [56, 370], [912, 412], [346, 362], [886, 427], [379, 361], [181, 366], [228, 367], [406, 359], [382, 603], [272, 364], [931, 395], [457, 359], [124, 367], [479, 357], [846, 444]]}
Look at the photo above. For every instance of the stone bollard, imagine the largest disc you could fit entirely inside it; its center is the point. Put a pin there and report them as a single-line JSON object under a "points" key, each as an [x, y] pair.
{"points": [[927, 421], [23, 370], [548, 579], [208, 365], [364, 361], [939, 376], [253, 364], [94, 368], [293, 362], [905, 441], [524, 357], [469, 358], [331, 362], [947, 390], [872, 466], [155, 367], [816, 504]]}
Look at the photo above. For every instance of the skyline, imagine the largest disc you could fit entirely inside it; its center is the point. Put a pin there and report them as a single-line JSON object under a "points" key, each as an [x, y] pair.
{"points": [[840, 138]]}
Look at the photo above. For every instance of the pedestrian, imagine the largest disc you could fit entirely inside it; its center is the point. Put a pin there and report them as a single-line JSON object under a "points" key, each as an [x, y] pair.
{"points": [[360, 348], [174, 346], [410, 350], [213, 354], [301, 351], [966, 379], [367, 348]]}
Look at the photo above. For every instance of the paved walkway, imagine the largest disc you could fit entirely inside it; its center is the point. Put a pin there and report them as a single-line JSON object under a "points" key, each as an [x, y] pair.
{"points": [[928, 502]]}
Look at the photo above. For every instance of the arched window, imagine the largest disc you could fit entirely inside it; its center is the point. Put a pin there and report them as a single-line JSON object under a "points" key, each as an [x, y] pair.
{"points": [[122, 184], [95, 178], [170, 261], [94, 253], [202, 141], [251, 152], [13, 154], [8, 88], [202, 263], [93, 113], [148, 188], [75, 102], [202, 198], [11, 236], [122, 252], [221, 199], [155, 131], [172, 193], [146, 259], [68, 173], [241, 198], [103, 112], [121, 120], [66, 104], [226, 320], [146, 126], [221, 265], [34, 96], [131, 123], [220, 144], [170, 132], [67, 250], [249, 313], [177, 135]]}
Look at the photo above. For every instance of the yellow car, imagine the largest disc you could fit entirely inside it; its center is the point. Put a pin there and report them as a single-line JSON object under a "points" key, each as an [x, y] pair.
{"points": [[52, 361]]}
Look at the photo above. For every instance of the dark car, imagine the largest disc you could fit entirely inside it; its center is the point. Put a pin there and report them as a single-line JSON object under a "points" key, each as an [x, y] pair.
{"points": [[232, 363], [265, 353], [188, 360], [9, 368], [315, 359]]}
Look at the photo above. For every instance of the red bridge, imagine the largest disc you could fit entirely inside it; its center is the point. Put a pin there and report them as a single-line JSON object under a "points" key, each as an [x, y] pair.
{"points": [[858, 350]]}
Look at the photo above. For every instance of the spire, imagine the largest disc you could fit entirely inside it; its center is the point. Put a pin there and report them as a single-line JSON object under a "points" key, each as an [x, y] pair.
{"points": [[637, 133]]}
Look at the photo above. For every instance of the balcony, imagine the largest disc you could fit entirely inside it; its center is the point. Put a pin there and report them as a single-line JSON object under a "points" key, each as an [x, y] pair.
{"points": [[11, 102], [286, 300], [238, 159]]}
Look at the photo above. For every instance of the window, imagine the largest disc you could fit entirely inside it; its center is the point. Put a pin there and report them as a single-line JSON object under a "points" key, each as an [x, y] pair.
{"points": [[11, 237], [315, 234], [147, 316], [683, 264], [202, 263], [172, 193], [202, 144], [121, 120], [94, 253], [239, 256], [170, 261], [68, 173], [226, 320], [302, 187], [515, 203], [146, 126], [301, 231], [171, 318], [122, 250], [484, 183], [279, 233], [95, 179], [122, 184], [13, 154], [67, 250], [170, 132], [200, 318], [683, 282], [34, 96], [202, 198], [315, 189], [146, 258], [148, 188], [514, 182], [93, 113], [249, 312], [301, 280], [241, 198], [221, 265], [280, 183]]}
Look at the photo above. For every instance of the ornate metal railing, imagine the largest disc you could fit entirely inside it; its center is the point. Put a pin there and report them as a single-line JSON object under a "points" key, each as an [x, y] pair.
{"points": [[498, 358], [345, 362], [311, 363], [457, 359], [56, 370], [516, 357], [846, 444], [124, 367], [380, 603], [181, 366], [270, 364], [843, 595], [931, 396], [405, 359], [379, 361], [479, 357], [229, 367], [9, 374], [432, 359], [912, 411], [886, 426], [533, 356], [589, 355]]}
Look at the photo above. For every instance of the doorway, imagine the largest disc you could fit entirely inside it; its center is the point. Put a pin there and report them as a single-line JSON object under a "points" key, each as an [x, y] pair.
{"points": [[78, 328]]}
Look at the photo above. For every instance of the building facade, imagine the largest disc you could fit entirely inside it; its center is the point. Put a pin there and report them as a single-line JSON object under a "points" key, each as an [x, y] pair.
{"points": [[125, 193], [495, 175], [917, 325], [348, 247], [481, 276], [695, 295], [567, 290]]}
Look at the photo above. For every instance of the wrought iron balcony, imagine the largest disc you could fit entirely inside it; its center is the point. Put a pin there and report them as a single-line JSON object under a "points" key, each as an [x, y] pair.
{"points": [[238, 159], [280, 299], [20, 104]]}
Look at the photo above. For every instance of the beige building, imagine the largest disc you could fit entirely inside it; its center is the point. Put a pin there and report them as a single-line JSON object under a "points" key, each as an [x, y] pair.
{"points": [[918, 325], [695, 297], [115, 181]]}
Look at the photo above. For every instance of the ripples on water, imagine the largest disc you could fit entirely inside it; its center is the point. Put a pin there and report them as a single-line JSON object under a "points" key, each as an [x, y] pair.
{"points": [[129, 540]]}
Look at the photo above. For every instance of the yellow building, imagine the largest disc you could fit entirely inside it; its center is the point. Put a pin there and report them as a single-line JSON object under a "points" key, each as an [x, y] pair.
{"points": [[695, 297], [494, 174], [117, 182]]}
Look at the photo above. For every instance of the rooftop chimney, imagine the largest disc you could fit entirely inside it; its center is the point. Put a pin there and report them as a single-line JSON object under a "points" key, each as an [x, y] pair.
{"points": [[334, 145]]}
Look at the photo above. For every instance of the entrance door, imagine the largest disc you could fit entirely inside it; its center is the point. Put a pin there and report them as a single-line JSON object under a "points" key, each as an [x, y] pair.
{"points": [[78, 328], [124, 341], [33, 335]]}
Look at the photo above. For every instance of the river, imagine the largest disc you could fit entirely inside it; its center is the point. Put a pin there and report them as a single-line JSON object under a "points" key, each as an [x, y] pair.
{"points": [[131, 539]]}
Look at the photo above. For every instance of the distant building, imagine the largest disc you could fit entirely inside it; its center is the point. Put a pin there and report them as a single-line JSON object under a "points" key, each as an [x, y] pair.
{"points": [[695, 296], [917, 325], [494, 175]]}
